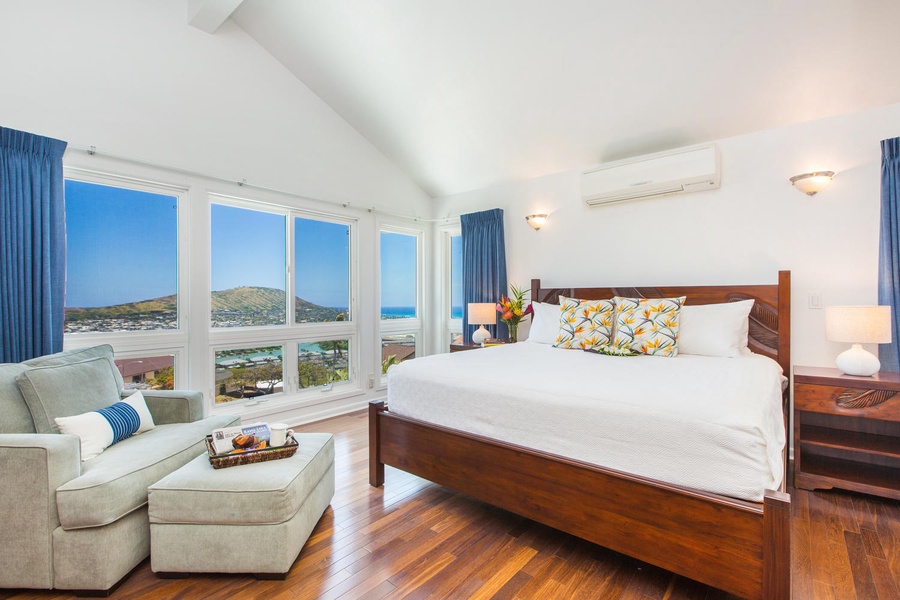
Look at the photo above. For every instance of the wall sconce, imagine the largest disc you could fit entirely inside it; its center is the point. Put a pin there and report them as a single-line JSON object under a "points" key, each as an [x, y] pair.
{"points": [[536, 221], [812, 183]]}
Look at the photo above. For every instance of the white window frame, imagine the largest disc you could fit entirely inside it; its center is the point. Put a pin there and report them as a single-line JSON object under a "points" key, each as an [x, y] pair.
{"points": [[449, 327], [290, 334], [406, 326], [129, 344]]}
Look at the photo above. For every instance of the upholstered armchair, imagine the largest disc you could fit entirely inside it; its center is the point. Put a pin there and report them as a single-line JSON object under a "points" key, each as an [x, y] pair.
{"points": [[82, 525]]}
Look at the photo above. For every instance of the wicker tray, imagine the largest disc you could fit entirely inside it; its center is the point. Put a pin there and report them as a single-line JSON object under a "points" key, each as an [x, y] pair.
{"points": [[251, 456]]}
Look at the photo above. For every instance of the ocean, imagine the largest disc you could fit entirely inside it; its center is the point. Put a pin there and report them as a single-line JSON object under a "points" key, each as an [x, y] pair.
{"points": [[398, 312]]}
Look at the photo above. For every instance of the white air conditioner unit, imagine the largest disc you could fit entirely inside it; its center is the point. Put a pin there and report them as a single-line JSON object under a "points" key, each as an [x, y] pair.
{"points": [[678, 171]]}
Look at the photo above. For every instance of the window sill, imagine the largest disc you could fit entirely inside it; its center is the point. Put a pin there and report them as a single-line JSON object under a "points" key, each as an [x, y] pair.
{"points": [[254, 410]]}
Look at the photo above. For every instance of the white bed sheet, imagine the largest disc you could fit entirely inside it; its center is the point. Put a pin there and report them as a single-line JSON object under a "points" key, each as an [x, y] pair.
{"points": [[714, 424]]}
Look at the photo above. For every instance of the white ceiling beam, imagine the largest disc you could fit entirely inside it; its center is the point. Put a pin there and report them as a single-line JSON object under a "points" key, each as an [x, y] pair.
{"points": [[209, 15]]}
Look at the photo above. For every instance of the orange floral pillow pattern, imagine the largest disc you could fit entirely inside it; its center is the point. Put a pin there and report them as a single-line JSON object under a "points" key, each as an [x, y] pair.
{"points": [[585, 324], [648, 325]]}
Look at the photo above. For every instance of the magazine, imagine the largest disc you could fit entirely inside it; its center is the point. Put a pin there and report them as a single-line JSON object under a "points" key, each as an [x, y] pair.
{"points": [[234, 440]]}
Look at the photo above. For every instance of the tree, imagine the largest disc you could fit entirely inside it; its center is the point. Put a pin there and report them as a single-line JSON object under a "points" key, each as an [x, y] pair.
{"points": [[267, 375], [388, 362], [164, 379]]}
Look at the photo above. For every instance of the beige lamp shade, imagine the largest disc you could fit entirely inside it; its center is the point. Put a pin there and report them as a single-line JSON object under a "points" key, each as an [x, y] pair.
{"points": [[858, 324], [482, 313]]}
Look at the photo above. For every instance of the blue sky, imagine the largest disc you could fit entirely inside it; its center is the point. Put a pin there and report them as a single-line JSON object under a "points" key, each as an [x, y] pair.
{"points": [[398, 269], [122, 247], [456, 293]]}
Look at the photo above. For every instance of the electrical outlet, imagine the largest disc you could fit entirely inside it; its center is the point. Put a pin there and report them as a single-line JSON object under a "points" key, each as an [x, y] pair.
{"points": [[815, 301], [371, 380]]}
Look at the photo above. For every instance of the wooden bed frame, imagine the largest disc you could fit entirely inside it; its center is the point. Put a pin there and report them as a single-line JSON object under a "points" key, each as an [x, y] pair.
{"points": [[738, 546]]}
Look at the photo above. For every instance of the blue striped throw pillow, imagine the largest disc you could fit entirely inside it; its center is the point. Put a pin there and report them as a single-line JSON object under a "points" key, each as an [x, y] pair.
{"points": [[100, 429], [123, 419]]}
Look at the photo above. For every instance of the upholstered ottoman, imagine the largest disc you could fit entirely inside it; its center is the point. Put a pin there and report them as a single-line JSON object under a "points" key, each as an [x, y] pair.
{"points": [[245, 519]]}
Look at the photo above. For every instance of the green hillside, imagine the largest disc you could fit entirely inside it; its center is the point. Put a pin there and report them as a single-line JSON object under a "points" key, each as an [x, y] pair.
{"points": [[241, 300]]}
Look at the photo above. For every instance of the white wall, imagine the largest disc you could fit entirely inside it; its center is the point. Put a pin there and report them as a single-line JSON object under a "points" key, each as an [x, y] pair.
{"points": [[744, 232], [133, 78]]}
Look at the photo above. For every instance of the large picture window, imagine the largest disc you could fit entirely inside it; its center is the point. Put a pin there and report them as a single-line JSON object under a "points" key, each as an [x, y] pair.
{"points": [[248, 267], [122, 259]]}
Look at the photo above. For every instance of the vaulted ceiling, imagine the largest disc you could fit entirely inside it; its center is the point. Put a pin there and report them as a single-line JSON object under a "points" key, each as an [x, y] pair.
{"points": [[462, 94]]}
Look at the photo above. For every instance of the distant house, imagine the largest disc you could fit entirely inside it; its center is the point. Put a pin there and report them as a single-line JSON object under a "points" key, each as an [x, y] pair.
{"points": [[401, 351], [139, 370]]}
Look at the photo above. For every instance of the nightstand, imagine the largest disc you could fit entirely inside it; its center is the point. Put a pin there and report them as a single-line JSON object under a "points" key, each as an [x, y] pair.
{"points": [[464, 346], [847, 431]]}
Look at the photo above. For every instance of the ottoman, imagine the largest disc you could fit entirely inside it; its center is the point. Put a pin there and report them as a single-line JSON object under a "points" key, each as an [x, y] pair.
{"points": [[245, 519]]}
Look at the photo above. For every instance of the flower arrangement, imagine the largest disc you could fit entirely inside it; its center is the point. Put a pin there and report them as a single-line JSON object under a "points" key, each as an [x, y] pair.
{"points": [[513, 309]]}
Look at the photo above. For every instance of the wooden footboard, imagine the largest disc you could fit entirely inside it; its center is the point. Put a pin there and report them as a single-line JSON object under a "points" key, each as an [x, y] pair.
{"points": [[740, 547]]}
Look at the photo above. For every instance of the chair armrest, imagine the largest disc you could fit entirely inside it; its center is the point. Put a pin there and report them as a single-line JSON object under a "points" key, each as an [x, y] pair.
{"points": [[172, 406], [32, 467]]}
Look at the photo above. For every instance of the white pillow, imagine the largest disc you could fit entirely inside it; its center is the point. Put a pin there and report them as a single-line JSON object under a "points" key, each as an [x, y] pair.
{"points": [[100, 429], [715, 329], [544, 323]]}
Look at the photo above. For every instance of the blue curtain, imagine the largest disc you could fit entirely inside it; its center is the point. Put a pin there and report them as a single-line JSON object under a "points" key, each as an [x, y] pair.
{"points": [[483, 265], [32, 245], [889, 255]]}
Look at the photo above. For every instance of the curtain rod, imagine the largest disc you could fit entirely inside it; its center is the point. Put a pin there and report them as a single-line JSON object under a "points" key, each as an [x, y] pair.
{"points": [[93, 151]]}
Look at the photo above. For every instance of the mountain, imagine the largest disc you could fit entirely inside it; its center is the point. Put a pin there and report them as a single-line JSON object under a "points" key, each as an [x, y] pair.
{"points": [[237, 301]]}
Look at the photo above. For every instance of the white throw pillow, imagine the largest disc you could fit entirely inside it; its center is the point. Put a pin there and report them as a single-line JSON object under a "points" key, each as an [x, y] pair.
{"points": [[100, 429], [715, 329], [139, 404], [544, 323]]}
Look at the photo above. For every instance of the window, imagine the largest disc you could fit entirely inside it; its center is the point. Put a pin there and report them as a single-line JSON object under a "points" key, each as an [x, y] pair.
{"points": [[323, 363], [399, 281], [148, 372], [322, 264], [266, 342], [456, 292], [400, 263], [246, 373], [452, 300], [122, 259], [248, 267]]}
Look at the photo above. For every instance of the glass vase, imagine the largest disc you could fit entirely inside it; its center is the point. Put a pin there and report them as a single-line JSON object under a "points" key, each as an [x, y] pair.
{"points": [[513, 332]]}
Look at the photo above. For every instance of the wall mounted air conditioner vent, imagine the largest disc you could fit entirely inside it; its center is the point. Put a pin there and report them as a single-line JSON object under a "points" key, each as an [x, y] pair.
{"points": [[678, 171]]}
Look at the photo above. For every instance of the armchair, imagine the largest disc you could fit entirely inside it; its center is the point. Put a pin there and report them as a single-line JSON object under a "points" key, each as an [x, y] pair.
{"points": [[68, 524]]}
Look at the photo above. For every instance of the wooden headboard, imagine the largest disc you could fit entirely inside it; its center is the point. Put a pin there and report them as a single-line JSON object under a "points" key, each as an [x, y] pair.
{"points": [[770, 319]]}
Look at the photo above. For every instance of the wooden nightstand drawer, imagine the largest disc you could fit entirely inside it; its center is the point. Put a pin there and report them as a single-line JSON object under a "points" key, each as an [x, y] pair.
{"points": [[847, 401], [847, 431]]}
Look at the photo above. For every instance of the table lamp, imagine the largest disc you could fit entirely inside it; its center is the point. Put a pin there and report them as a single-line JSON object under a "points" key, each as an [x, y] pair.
{"points": [[482, 313], [858, 325]]}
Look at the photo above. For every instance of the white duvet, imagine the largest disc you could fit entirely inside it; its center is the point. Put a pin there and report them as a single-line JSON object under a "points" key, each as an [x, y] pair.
{"points": [[713, 424]]}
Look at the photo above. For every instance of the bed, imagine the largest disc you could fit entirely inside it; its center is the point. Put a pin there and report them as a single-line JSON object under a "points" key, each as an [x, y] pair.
{"points": [[737, 545]]}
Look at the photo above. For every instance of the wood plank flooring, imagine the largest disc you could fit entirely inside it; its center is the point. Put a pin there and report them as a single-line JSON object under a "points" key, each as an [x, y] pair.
{"points": [[413, 539]]}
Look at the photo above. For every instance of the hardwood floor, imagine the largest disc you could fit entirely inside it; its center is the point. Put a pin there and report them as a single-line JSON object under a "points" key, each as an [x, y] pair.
{"points": [[414, 539]]}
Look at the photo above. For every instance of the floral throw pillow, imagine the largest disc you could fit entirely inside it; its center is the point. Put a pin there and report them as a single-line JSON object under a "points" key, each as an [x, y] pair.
{"points": [[648, 325], [584, 324]]}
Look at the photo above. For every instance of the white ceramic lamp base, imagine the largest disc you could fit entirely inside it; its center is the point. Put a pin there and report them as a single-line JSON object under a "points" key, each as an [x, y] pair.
{"points": [[857, 361], [480, 335]]}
